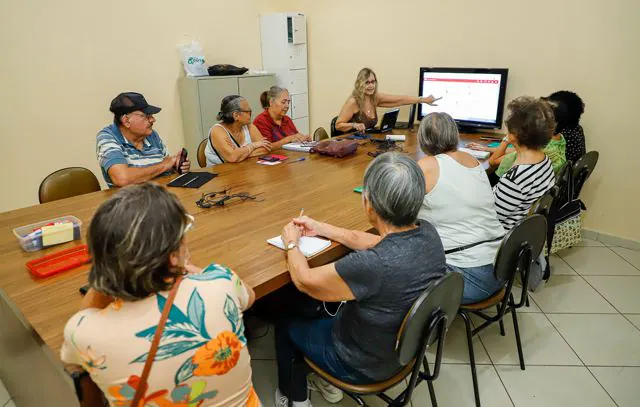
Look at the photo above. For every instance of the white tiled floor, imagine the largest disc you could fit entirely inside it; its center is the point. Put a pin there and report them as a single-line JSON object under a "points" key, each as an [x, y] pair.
{"points": [[581, 340]]}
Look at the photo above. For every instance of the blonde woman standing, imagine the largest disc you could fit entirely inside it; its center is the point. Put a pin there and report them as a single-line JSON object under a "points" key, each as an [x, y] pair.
{"points": [[359, 111]]}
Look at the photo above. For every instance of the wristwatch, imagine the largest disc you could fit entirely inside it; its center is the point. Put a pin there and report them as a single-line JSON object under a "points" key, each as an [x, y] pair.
{"points": [[290, 246]]}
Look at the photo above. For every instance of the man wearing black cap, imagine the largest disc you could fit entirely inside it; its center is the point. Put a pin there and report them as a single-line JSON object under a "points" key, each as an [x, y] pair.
{"points": [[129, 150]]}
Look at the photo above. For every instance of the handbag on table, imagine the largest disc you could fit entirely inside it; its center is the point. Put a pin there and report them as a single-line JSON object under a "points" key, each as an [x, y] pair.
{"points": [[335, 148]]}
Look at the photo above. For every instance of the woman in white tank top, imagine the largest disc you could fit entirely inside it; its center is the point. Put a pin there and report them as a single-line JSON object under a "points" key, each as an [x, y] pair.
{"points": [[234, 139], [459, 203]]}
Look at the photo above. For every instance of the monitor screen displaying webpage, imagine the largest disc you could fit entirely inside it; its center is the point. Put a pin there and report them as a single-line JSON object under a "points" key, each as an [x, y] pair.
{"points": [[473, 97]]}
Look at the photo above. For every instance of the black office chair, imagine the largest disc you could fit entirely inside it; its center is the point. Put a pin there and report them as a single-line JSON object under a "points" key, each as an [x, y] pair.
{"points": [[582, 170], [547, 207], [564, 184], [425, 324], [519, 248], [334, 131]]}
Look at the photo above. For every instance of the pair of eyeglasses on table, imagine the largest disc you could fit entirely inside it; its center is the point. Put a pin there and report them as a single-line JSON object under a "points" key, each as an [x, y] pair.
{"points": [[220, 198], [383, 147]]}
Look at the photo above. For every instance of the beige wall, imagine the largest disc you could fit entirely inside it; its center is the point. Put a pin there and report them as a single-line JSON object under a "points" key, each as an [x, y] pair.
{"points": [[63, 62], [59, 70], [590, 46]]}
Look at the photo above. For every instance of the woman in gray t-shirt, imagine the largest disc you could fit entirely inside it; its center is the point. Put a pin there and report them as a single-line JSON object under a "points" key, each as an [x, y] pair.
{"points": [[379, 281]]}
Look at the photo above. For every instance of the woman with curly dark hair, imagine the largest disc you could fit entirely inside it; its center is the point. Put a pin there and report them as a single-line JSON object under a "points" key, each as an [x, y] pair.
{"points": [[568, 109]]}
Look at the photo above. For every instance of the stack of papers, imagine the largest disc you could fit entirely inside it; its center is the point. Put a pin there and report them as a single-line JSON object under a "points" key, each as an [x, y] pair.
{"points": [[301, 147], [477, 154], [309, 246], [269, 162]]}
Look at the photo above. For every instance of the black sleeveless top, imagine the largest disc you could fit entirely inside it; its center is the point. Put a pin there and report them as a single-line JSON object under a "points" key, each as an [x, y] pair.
{"points": [[369, 122]]}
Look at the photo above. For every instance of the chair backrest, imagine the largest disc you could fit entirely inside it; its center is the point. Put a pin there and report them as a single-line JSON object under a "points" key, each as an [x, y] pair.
{"points": [[564, 184], [547, 207], [430, 316], [520, 246], [582, 170], [334, 131], [202, 159], [66, 183], [27, 360], [320, 134], [543, 205]]}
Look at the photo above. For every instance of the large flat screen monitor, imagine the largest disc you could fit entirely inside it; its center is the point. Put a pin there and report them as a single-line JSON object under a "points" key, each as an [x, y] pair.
{"points": [[474, 97]]}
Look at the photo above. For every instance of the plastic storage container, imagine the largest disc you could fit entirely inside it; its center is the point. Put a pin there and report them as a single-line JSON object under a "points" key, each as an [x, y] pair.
{"points": [[59, 261], [30, 240]]}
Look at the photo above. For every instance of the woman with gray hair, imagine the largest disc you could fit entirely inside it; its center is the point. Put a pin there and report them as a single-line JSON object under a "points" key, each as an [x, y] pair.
{"points": [[273, 123], [140, 258], [234, 138], [459, 203], [379, 282]]}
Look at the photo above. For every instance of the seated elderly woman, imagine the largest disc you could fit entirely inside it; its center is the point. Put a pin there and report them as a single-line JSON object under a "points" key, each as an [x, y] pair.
{"points": [[273, 123], [379, 281], [531, 125], [234, 139], [137, 239], [503, 156], [359, 111], [555, 149], [459, 203]]}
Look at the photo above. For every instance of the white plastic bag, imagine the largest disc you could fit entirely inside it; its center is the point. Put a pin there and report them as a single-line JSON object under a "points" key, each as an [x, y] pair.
{"points": [[193, 59]]}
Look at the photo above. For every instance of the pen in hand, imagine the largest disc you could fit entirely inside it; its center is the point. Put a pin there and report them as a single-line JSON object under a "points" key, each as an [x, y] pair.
{"points": [[300, 227]]}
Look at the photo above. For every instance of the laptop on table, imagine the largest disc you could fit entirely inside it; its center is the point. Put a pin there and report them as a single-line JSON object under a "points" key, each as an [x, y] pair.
{"points": [[387, 124]]}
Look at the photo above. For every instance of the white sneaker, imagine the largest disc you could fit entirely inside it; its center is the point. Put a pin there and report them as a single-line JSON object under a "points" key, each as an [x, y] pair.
{"points": [[329, 392], [283, 401]]}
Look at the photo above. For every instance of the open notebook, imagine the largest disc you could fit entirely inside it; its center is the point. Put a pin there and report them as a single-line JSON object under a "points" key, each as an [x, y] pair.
{"points": [[309, 246]]}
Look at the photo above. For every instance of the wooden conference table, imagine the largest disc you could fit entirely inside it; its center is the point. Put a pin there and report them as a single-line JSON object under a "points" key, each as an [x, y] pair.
{"points": [[234, 235]]}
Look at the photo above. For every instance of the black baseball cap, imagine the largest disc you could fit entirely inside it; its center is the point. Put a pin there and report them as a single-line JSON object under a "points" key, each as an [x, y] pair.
{"points": [[128, 102]]}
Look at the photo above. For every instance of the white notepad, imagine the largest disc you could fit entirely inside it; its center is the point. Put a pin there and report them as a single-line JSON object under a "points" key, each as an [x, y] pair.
{"points": [[477, 154], [309, 246]]}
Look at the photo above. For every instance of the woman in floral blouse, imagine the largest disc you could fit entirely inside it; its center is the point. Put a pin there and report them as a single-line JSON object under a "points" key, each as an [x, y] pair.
{"points": [[137, 240]]}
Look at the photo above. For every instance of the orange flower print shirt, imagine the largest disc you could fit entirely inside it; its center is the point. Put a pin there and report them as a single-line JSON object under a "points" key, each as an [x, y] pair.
{"points": [[202, 359]]}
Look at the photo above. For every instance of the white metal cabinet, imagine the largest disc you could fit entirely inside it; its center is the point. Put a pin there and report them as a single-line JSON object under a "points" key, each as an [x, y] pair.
{"points": [[284, 52]]}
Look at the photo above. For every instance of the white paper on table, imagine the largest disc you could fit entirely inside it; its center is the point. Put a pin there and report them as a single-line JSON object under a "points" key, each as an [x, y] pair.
{"points": [[308, 245]]}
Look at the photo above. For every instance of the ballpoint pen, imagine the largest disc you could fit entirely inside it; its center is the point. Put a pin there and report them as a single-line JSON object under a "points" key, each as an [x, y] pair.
{"points": [[190, 181], [296, 160]]}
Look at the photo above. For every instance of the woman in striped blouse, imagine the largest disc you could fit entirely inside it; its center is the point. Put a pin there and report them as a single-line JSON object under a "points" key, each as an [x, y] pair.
{"points": [[531, 125]]}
